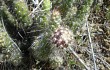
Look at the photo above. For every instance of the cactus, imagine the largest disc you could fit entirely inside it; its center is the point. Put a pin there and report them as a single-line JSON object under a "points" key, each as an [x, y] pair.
{"points": [[43, 34], [15, 14], [81, 14], [17, 11], [9, 51]]}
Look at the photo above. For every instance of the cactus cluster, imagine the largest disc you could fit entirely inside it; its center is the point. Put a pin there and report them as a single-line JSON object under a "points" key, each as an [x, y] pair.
{"points": [[55, 26]]}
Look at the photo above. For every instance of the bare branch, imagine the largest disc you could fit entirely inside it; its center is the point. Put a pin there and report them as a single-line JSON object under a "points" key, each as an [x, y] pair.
{"points": [[81, 61], [90, 41]]}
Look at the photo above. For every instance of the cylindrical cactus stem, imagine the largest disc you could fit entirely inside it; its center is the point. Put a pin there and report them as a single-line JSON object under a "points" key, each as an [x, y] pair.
{"points": [[22, 12], [65, 6], [56, 57], [19, 10], [41, 48], [78, 18], [56, 17], [46, 6], [7, 16], [8, 50], [16, 20]]}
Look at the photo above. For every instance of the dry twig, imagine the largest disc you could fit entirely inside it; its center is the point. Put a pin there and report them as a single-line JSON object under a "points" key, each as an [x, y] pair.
{"points": [[90, 41], [81, 61]]}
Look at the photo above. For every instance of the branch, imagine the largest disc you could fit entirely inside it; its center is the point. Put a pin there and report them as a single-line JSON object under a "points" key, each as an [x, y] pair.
{"points": [[90, 41], [76, 55]]}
